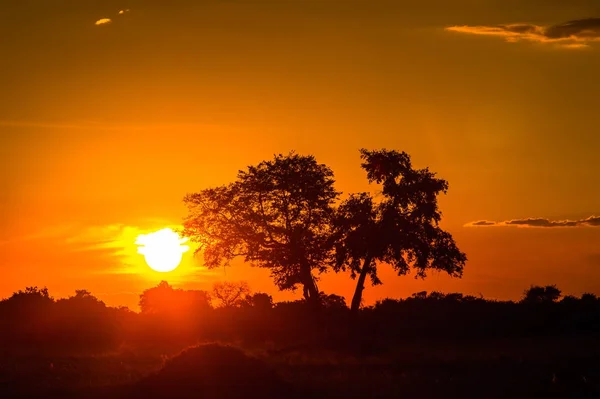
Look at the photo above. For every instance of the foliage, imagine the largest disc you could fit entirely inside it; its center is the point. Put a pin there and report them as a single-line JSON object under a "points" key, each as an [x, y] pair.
{"points": [[82, 322], [333, 301], [277, 215], [230, 294], [401, 351], [259, 300], [538, 294], [401, 228], [164, 298]]}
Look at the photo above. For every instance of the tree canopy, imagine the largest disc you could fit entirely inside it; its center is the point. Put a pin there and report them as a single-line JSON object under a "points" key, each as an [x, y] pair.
{"points": [[230, 294], [276, 215], [539, 294], [400, 227], [164, 299], [283, 214]]}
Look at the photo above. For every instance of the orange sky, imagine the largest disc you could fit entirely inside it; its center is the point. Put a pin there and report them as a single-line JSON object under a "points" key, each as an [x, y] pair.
{"points": [[104, 128]]}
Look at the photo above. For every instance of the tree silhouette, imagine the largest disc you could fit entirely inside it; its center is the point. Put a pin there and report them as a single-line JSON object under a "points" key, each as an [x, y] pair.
{"points": [[84, 321], [333, 301], [538, 294], [400, 229], [164, 299], [589, 297], [260, 300], [32, 292], [230, 294], [277, 215]]}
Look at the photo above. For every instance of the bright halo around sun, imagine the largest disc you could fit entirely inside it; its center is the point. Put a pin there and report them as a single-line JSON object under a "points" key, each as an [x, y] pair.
{"points": [[162, 249]]}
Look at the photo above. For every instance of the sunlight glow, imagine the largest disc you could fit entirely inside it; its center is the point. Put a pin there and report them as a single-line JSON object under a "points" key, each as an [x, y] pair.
{"points": [[162, 249]]}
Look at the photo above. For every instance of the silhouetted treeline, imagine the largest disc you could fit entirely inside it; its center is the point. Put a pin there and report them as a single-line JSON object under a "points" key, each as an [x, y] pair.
{"points": [[34, 321]]}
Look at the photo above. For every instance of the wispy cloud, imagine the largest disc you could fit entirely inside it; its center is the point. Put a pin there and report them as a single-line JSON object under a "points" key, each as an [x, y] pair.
{"points": [[103, 21], [575, 34], [121, 12], [592, 221]]}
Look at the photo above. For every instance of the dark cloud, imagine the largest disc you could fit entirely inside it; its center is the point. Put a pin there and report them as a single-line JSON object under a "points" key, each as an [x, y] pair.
{"points": [[538, 222], [483, 223], [572, 34], [593, 221], [581, 29]]}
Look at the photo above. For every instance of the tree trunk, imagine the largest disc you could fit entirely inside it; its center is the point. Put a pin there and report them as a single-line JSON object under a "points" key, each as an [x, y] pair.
{"points": [[360, 286], [311, 292], [313, 300]]}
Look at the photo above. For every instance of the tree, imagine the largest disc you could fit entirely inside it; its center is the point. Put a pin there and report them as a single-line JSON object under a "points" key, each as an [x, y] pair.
{"points": [[421, 295], [399, 228], [32, 292], [538, 294], [276, 215], [164, 299], [230, 294], [333, 301], [260, 300], [31, 299], [589, 297], [82, 321]]}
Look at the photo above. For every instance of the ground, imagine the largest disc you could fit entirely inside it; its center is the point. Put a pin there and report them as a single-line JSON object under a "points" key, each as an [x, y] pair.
{"points": [[566, 367]]}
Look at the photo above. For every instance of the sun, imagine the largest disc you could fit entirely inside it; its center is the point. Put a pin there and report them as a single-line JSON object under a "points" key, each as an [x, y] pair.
{"points": [[162, 249]]}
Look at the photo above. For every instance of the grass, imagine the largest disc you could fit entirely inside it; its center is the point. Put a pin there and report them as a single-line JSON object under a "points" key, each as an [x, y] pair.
{"points": [[566, 367]]}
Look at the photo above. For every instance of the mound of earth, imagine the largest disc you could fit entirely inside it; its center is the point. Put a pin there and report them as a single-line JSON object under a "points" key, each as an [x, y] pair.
{"points": [[213, 371]]}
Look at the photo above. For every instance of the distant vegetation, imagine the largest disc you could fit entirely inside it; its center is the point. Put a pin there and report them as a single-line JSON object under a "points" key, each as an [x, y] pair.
{"points": [[36, 322]]}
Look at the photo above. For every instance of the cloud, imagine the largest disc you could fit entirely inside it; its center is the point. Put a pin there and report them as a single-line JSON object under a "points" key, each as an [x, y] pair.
{"points": [[575, 34], [592, 221], [539, 222], [121, 12], [103, 21], [482, 223]]}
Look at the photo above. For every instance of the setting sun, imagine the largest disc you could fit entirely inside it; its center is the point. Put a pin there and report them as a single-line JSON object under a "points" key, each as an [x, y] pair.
{"points": [[162, 249]]}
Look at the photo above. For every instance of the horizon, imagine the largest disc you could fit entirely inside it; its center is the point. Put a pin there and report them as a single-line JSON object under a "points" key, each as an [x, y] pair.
{"points": [[113, 112], [215, 302]]}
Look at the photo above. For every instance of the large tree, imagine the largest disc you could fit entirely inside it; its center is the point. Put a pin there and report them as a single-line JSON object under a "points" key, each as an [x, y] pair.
{"points": [[398, 227], [276, 215]]}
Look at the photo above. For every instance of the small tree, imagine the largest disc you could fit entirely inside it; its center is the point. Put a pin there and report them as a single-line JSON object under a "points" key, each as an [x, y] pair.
{"points": [[588, 297], [31, 299], [230, 294], [164, 299], [276, 215], [400, 229], [333, 301], [260, 300], [539, 294]]}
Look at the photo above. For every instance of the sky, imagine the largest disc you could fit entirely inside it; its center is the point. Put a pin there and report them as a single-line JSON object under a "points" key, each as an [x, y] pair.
{"points": [[111, 111]]}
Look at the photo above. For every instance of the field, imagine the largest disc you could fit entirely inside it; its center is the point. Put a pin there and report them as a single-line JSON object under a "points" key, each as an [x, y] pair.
{"points": [[566, 367]]}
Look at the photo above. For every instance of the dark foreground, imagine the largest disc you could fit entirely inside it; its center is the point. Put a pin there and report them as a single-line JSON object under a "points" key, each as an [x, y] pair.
{"points": [[558, 367]]}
